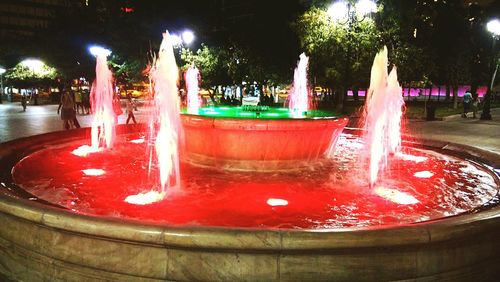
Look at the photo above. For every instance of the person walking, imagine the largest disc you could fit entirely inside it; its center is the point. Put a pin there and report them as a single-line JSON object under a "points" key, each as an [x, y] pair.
{"points": [[117, 107], [24, 102], [467, 100], [67, 109], [79, 102], [130, 109]]}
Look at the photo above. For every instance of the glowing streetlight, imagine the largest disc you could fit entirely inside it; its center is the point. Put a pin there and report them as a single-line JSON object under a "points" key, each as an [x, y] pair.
{"points": [[338, 10], [365, 7], [342, 10], [493, 26], [34, 65], [188, 37], [99, 51]]}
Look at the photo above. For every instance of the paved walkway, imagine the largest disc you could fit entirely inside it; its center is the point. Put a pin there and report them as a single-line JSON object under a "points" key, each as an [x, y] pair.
{"points": [[484, 134], [14, 123], [41, 119]]}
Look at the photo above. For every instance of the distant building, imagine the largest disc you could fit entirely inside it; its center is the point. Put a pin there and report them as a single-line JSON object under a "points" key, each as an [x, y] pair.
{"points": [[21, 19]]}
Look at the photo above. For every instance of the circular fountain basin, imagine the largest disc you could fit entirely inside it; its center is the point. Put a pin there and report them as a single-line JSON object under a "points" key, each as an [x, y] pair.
{"points": [[232, 138], [50, 240]]}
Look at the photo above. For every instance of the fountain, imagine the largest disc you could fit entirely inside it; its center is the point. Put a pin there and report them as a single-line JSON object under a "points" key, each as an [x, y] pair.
{"points": [[435, 218], [300, 93], [382, 115], [193, 100], [164, 125], [260, 137], [103, 116]]}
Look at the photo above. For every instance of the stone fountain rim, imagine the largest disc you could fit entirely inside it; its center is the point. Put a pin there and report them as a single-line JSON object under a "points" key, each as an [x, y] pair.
{"points": [[439, 230]]}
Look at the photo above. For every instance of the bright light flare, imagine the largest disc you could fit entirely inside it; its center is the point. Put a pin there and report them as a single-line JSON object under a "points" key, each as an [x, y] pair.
{"points": [[93, 172], [365, 7], [188, 37], [137, 141], [99, 51], [175, 39], [2, 70], [145, 198], [338, 11], [423, 174], [277, 202], [395, 196], [406, 157], [85, 150], [493, 26], [34, 65]]}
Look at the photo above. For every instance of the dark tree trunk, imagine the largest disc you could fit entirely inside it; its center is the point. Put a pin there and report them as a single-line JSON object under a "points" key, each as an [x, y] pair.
{"points": [[455, 95]]}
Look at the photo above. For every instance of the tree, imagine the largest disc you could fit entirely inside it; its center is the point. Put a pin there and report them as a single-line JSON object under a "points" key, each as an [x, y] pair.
{"points": [[22, 76], [209, 60], [341, 52], [127, 71]]}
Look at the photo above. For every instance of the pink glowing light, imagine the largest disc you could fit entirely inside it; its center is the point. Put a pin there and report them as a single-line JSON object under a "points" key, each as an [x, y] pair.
{"points": [[423, 174], [93, 172], [299, 102], [277, 202], [193, 100], [395, 196], [382, 115], [85, 150]]}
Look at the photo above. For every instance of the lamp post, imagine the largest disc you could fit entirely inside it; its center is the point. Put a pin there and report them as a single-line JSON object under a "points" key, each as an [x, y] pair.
{"points": [[2, 71], [493, 27], [347, 13]]}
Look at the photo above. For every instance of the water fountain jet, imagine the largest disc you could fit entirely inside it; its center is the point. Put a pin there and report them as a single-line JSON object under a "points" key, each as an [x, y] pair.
{"points": [[382, 116]]}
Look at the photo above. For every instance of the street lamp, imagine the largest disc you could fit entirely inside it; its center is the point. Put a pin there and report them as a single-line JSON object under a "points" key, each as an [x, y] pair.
{"points": [[350, 14], [99, 51], [493, 27], [342, 10], [2, 71], [35, 65], [188, 37]]}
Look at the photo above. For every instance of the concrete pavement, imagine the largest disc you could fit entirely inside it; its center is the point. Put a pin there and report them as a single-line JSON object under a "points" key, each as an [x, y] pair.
{"points": [[484, 134], [44, 118]]}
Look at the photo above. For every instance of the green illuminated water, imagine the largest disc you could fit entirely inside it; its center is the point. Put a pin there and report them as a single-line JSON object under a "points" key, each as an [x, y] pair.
{"points": [[269, 113]]}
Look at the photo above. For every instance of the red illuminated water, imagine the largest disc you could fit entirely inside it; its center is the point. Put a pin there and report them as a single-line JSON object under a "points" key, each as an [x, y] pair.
{"points": [[420, 185]]}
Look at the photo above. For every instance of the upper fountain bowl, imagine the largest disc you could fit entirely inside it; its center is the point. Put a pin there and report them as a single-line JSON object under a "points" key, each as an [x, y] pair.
{"points": [[259, 138]]}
